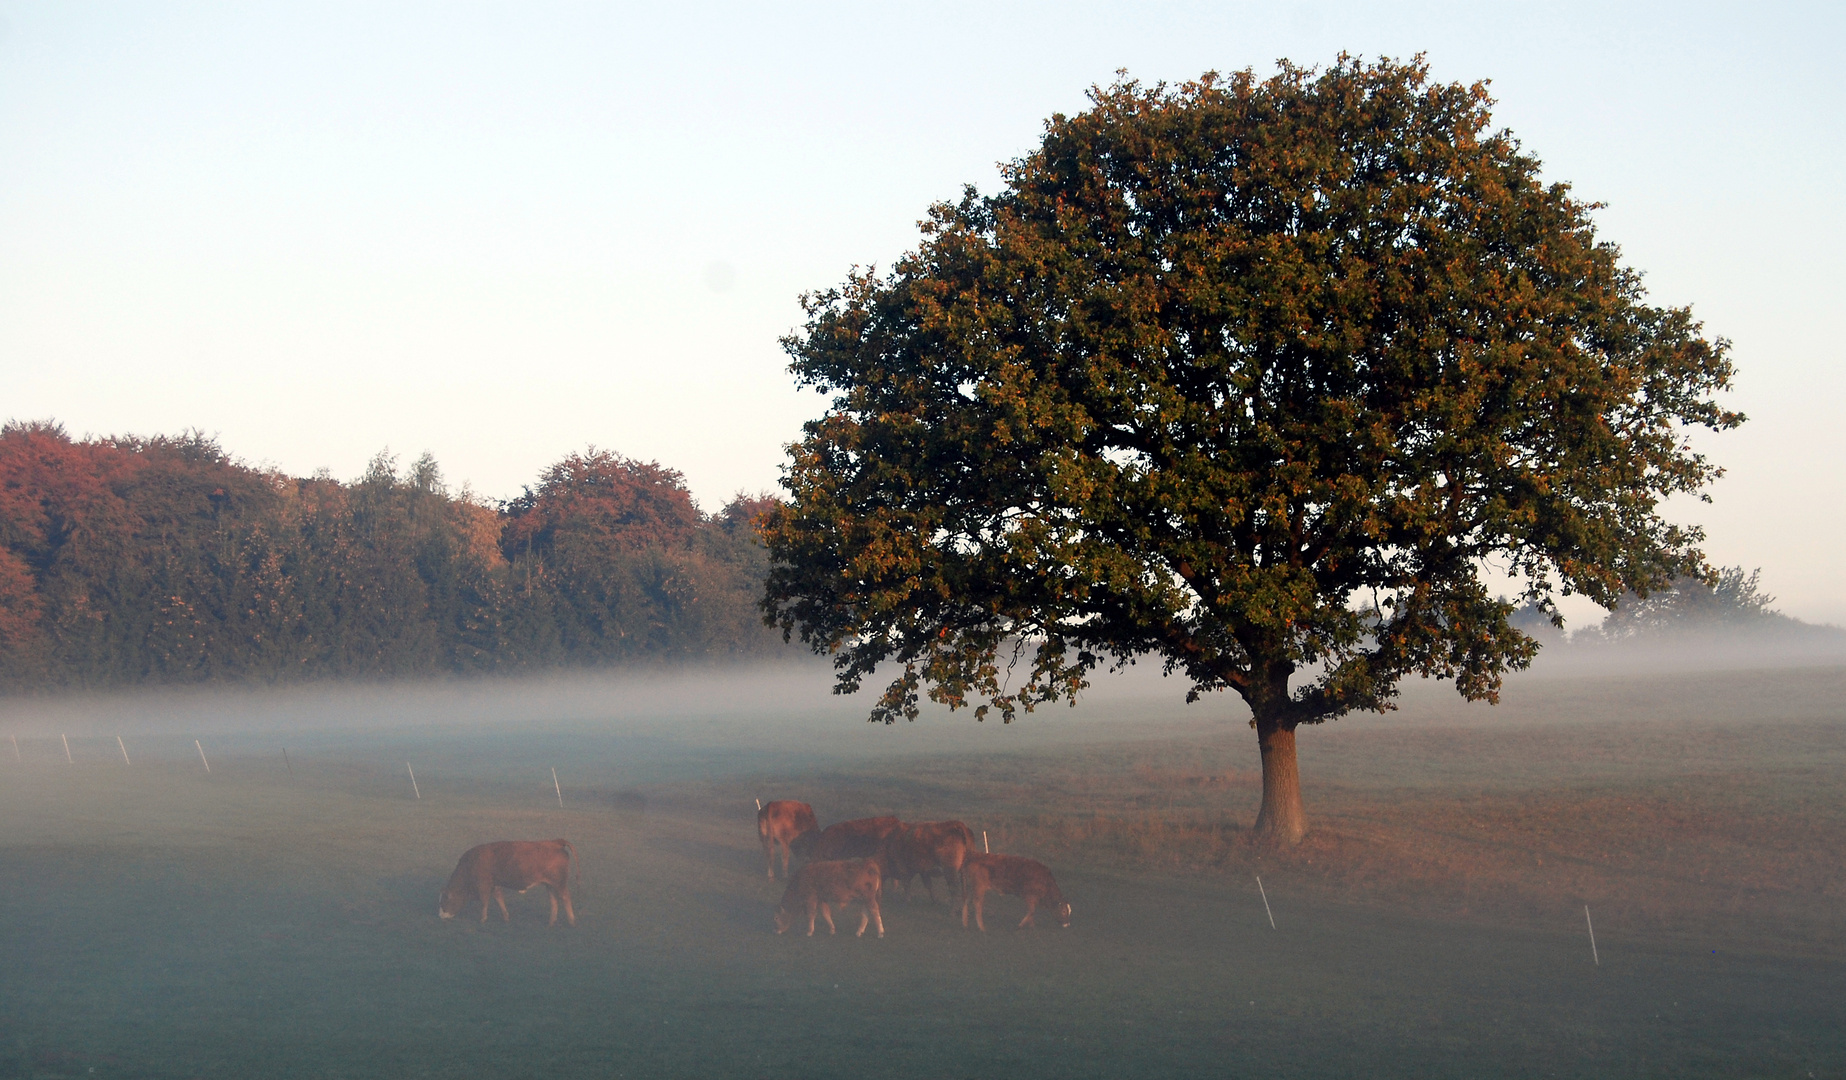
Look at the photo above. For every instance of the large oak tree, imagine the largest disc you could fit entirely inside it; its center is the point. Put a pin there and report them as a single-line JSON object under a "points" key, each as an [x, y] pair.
{"points": [[1257, 377]]}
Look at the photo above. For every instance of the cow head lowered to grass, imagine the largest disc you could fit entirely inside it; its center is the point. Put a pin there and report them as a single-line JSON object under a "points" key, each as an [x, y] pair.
{"points": [[1011, 875], [486, 870]]}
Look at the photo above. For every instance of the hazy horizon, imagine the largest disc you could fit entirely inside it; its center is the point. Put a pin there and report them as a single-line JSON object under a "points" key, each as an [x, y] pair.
{"points": [[766, 699]]}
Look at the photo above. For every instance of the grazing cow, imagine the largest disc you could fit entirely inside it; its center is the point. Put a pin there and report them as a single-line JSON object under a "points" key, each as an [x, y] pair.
{"points": [[931, 848], [487, 869], [1011, 875], [824, 886], [853, 839], [784, 822]]}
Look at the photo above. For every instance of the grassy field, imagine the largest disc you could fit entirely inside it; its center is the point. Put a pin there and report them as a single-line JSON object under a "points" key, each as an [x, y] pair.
{"points": [[272, 919]]}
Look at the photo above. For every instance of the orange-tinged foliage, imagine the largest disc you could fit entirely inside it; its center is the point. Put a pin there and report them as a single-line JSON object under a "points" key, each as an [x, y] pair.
{"points": [[601, 502]]}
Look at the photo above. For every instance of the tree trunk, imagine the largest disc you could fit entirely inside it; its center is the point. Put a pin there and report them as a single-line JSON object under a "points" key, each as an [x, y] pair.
{"points": [[1281, 821]]}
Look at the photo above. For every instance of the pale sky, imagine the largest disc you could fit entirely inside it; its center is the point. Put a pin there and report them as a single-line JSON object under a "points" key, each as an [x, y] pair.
{"points": [[504, 232]]}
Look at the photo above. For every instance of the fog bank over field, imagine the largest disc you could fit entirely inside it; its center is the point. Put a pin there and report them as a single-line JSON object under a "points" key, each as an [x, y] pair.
{"points": [[770, 693], [785, 707], [790, 705], [286, 895], [1778, 643]]}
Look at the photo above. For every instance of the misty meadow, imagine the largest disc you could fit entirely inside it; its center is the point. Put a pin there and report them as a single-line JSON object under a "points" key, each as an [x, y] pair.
{"points": [[1204, 515]]}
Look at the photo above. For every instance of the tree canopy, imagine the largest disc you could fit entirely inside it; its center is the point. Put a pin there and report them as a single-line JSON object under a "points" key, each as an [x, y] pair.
{"points": [[1253, 376]]}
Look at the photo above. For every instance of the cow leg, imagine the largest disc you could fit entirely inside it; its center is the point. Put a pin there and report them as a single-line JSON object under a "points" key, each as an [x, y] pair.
{"points": [[877, 915], [487, 900], [554, 905], [980, 905], [929, 881], [769, 857], [826, 912], [563, 893], [1031, 906], [500, 898], [813, 906], [865, 918]]}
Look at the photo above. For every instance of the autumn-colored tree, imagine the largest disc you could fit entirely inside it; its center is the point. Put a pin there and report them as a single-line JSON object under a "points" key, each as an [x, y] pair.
{"points": [[1252, 376], [66, 520], [600, 502], [61, 520], [602, 538], [139, 557]]}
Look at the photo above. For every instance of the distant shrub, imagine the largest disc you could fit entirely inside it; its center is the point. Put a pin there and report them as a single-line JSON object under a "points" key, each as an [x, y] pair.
{"points": [[1734, 602]]}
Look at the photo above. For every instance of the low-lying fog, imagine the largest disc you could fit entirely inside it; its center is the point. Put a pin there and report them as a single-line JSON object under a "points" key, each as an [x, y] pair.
{"points": [[275, 916], [790, 706]]}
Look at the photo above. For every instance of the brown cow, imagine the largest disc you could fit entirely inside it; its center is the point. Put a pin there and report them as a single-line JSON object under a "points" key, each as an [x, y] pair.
{"points": [[823, 886], [1011, 875], [783, 821], [487, 869], [931, 848], [856, 839]]}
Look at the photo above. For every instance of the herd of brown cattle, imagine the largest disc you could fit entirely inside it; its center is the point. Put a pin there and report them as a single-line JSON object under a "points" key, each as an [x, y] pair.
{"points": [[850, 862], [845, 863]]}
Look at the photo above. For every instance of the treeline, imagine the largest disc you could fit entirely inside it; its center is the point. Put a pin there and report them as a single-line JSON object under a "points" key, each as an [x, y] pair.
{"points": [[130, 561]]}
